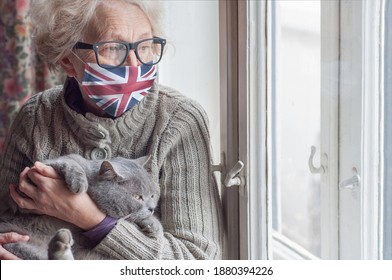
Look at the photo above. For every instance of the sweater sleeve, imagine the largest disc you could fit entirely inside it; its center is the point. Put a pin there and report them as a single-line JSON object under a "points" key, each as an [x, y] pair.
{"points": [[190, 206], [16, 153]]}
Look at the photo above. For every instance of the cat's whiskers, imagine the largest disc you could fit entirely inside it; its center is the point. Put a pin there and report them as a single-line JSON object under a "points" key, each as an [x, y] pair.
{"points": [[127, 216]]}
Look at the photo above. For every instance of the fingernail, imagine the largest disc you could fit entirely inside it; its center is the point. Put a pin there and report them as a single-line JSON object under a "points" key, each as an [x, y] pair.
{"points": [[39, 164]]}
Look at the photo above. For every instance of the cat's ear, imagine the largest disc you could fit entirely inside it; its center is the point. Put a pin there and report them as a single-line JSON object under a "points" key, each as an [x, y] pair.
{"points": [[107, 172], [145, 161]]}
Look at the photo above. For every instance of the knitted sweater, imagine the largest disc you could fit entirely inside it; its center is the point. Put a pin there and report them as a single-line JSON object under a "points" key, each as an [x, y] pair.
{"points": [[166, 125]]}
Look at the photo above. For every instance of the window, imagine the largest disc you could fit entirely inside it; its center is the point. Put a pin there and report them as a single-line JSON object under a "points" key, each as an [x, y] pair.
{"points": [[306, 73]]}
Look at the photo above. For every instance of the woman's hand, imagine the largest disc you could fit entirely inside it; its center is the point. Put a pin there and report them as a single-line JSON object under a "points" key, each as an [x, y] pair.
{"points": [[10, 237], [47, 193]]}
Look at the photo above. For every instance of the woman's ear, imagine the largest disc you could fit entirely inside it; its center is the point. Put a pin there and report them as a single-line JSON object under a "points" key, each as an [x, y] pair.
{"points": [[68, 67]]}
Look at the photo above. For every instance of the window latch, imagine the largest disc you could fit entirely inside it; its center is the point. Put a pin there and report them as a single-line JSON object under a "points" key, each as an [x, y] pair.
{"points": [[232, 178], [350, 183]]}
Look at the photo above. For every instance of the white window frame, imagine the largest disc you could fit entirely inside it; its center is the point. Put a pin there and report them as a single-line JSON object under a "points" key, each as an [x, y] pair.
{"points": [[361, 128], [243, 100], [253, 111], [329, 129], [387, 178]]}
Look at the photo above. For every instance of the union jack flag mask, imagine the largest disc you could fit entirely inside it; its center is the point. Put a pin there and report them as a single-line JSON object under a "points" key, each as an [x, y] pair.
{"points": [[118, 89]]}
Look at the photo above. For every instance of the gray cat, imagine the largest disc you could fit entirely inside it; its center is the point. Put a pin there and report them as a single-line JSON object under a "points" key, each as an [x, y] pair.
{"points": [[121, 188]]}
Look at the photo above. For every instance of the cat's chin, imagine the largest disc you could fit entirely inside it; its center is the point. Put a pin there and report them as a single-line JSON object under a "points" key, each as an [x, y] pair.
{"points": [[137, 217]]}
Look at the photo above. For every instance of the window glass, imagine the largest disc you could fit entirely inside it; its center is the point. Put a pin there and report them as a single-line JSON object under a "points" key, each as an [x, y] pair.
{"points": [[296, 122]]}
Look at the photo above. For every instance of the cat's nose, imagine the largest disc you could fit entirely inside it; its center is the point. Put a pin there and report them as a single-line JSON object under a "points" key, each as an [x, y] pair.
{"points": [[151, 210]]}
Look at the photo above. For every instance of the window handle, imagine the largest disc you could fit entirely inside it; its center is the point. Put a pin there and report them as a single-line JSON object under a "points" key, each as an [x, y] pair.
{"points": [[231, 178], [350, 183], [313, 169]]}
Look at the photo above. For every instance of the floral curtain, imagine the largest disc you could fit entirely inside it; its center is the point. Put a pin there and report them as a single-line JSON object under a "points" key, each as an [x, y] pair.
{"points": [[22, 74]]}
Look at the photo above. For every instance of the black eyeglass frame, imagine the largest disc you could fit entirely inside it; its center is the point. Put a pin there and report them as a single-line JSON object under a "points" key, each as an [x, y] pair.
{"points": [[129, 46]]}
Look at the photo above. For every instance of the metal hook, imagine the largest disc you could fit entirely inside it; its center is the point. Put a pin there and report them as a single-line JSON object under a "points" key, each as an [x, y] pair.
{"points": [[313, 169]]}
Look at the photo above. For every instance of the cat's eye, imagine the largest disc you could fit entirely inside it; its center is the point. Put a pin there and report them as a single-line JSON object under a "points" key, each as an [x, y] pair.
{"points": [[137, 196]]}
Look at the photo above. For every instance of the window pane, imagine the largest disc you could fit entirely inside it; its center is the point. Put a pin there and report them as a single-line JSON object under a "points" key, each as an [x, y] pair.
{"points": [[296, 123]]}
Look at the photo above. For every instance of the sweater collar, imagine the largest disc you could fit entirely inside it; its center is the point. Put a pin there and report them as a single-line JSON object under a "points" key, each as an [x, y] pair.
{"points": [[73, 96]]}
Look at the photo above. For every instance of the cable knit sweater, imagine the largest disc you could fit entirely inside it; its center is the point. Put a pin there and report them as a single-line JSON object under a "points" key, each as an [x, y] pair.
{"points": [[165, 124]]}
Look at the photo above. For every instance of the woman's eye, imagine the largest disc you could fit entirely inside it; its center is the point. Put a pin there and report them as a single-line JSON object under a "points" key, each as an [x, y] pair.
{"points": [[144, 48], [110, 50]]}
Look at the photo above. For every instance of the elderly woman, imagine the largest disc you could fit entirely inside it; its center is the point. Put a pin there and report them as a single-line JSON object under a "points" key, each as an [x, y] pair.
{"points": [[130, 116]]}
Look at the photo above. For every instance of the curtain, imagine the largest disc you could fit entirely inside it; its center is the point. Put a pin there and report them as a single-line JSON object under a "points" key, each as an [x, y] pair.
{"points": [[22, 73]]}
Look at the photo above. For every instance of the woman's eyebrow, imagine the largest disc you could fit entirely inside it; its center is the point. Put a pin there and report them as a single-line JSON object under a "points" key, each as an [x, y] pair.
{"points": [[119, 37]]}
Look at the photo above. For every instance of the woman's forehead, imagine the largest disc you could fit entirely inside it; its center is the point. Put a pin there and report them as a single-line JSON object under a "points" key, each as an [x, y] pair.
{"points": [[123, 21]]}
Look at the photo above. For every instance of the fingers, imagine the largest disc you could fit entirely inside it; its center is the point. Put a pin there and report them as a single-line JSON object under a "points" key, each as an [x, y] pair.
{"points": [[26, 194], [41, 177], [5, 255], [22, 202], [25, 183], [25, 187], [46, 170], [39, 189], [12, 237]]}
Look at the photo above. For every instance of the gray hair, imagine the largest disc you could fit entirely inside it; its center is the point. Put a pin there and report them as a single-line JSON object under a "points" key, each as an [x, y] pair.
{"points": [[59, 24]]}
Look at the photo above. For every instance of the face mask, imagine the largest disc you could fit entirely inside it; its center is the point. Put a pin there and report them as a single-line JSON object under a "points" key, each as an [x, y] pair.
{"points": [[117, 90]]}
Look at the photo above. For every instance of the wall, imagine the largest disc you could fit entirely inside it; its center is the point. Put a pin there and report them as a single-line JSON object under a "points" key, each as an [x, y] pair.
{"points": [[191, 61]]}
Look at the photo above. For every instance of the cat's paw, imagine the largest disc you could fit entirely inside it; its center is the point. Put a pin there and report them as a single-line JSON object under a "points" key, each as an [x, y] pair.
{"points": [[151, 226], [73, 174], [76, 179], [60, 246]]}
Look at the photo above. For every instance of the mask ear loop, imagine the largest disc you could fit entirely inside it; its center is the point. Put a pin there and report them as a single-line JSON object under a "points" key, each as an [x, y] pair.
{"points": [[76, 55], [80, 61]]}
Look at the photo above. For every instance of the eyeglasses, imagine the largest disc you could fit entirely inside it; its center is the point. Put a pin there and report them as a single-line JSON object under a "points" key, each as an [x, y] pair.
{"points": [[113, 54]]}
